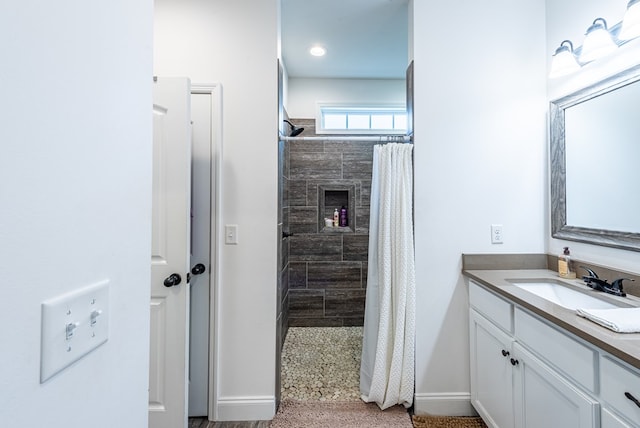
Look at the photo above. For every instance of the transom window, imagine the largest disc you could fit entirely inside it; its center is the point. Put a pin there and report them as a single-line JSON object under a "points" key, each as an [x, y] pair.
{"points": [[347, 119]]}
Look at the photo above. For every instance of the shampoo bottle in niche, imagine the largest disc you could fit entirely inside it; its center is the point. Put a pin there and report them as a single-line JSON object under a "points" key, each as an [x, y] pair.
{"points": [[344, 222], [336, 218], [565, 266]]}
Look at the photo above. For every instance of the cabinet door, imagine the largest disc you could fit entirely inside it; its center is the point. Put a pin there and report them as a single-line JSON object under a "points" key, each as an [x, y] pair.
{"points": [[543, 398], [491, 372]]}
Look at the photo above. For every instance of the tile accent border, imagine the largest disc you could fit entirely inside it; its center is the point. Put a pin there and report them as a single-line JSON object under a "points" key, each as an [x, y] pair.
{"points": [[503, 261]]}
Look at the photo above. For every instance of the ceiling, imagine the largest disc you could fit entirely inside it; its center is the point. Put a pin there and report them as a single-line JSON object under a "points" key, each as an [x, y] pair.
{"points": [[365, 39]]}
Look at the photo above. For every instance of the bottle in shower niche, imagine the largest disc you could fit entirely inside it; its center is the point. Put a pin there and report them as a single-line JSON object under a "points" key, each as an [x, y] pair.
{"points": [[565, 265], [344, 219], [336, 218]]}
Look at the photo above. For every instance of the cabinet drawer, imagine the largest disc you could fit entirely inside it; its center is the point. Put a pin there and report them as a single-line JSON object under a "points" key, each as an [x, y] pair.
{"points": [[494, 308], [609, 420], [572, 358], [617, 380]]}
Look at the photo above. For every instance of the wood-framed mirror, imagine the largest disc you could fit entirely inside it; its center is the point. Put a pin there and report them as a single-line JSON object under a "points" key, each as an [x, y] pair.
{"points": [[595, 163]]}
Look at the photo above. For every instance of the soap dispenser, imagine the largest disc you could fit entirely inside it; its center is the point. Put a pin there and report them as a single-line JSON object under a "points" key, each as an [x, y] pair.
{"points": [[565, 266]]}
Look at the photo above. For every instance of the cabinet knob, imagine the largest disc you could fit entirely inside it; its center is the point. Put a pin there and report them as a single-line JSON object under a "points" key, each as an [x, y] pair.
{"points": [[505, 353], [632, 398], [514, 362]]}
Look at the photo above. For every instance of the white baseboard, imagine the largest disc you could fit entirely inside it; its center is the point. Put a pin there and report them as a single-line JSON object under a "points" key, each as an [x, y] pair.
{"points": [[444, 404], [261, 408]]}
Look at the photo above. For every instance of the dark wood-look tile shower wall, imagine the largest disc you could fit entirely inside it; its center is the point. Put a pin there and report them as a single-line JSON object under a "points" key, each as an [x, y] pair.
{"points": [[327, 271]]}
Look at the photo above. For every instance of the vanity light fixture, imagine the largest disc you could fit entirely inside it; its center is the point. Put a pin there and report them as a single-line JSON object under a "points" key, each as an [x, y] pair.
{"points": [[564, 61], [597, 42], [631, 22], [317, 50]]}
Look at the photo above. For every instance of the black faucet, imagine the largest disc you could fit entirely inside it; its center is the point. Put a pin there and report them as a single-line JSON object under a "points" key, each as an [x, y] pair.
{"points": [[592, 280], [616, 287], [598, 284]]}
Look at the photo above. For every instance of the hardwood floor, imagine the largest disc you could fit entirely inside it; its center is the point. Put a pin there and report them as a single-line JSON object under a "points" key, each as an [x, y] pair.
{"points": [[204, 423]]}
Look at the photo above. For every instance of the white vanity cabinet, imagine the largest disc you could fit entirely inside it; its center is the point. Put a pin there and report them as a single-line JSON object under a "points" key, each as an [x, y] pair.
{"points": [[491, 343], [491, 377], [526, 373]]}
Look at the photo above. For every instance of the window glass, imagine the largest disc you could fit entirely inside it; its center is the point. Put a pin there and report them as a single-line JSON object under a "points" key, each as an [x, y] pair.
{"points": [[400, 121], [358, 121], [335, 121], [382, 121]]}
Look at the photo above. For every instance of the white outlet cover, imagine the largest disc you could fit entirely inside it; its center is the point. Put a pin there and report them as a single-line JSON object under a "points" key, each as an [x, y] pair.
{"points": [[76, 308], [496, 234]]}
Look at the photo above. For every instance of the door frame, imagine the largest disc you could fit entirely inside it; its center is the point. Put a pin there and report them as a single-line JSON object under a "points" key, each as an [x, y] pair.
{"points": [[215, 91]]}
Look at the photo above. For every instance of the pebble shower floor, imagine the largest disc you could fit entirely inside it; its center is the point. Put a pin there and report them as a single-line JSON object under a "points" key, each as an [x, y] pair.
{"points": [[321, 363]]}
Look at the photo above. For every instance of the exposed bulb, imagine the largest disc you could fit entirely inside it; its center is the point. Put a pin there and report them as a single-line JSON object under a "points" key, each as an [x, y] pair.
{"points": [[631, 22], [597, 42], [564, 61]]}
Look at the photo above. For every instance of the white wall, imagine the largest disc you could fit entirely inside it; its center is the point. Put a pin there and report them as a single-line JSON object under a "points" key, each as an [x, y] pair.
{"points": [[566, 21], [75, 186], [304, 93], [480, 158], [236, 43]]}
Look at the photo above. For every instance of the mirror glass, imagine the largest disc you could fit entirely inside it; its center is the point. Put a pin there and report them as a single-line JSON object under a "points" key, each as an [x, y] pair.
{"points": [[595, 152]]}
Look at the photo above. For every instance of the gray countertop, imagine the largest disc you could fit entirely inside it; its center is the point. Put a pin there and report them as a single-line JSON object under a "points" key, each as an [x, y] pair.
{"points": [[622, 345]]}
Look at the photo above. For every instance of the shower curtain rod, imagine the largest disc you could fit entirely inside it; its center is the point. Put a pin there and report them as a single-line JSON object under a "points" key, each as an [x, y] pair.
{"points": [[378, 138]]}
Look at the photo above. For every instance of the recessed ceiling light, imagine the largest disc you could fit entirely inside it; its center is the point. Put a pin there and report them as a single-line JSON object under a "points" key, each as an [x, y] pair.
{"points": [[317, 51]]}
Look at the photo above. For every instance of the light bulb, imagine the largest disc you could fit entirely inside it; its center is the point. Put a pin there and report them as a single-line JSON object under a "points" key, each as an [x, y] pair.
{"points": [[317, 51], [564, 61], [597, 42], [631, 22]]}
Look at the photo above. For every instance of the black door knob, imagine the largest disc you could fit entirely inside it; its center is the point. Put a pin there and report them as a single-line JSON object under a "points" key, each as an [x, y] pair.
{"points": [[173, 279], [505, 353], [514, 362], [198, 269]]}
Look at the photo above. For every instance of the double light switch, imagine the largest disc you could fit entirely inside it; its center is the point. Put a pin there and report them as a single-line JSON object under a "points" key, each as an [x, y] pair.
{"points": [[72, 326]]}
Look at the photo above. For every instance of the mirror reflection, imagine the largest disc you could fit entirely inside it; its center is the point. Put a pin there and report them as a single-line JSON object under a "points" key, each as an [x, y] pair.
{"points": [[602, 155]]}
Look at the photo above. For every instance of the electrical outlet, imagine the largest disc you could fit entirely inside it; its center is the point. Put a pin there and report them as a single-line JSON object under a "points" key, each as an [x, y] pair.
{"points": [[496, 234]]}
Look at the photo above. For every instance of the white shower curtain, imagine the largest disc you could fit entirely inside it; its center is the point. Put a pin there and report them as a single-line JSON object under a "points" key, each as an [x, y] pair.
{"points": [[387, 367]]}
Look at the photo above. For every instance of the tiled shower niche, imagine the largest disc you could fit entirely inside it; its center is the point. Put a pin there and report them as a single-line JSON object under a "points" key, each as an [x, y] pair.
{"points": [[326, 267], [334, 197]]}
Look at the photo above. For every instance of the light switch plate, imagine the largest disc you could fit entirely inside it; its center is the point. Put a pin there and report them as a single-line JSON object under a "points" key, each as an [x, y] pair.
{"points": [[73, 325], [231, 234]]}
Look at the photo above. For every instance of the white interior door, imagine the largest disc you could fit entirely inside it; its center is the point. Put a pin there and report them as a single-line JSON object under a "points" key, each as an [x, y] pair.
{"points": [[201, 192], [168, 393]]}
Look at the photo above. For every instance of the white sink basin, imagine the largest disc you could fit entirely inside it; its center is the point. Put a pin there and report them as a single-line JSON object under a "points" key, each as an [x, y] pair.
{"points": [[564, 296]]}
